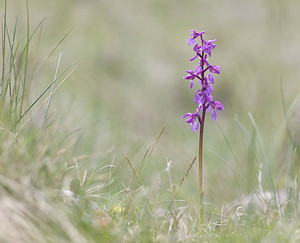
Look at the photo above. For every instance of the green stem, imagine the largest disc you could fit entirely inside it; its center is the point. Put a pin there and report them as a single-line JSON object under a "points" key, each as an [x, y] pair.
{"points": [[26, 62]]}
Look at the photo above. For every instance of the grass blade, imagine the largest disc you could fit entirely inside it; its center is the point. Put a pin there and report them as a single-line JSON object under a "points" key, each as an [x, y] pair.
{"points": [[52, 88]]}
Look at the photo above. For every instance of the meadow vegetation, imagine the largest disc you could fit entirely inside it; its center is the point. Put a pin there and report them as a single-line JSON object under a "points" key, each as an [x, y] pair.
{"points": [[93, 148]]}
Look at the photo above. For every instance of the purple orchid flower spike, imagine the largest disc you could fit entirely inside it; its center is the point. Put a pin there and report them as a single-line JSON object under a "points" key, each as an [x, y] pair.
{"points": [[203, 96]]}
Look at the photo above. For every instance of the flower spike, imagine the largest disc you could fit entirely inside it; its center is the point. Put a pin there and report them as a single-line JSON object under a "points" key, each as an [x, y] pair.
{"points": [[203, 96]]}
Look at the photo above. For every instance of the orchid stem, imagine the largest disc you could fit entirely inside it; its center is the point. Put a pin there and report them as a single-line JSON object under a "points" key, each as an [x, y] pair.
{"points": [[201, 190]]}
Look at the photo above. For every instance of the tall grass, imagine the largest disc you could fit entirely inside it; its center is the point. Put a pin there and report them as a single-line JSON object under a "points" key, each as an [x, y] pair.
{"points": [[32, 169]]}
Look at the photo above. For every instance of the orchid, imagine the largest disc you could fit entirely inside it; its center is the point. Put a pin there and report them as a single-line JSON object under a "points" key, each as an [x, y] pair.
{"points": [[203, 98], [192, 119], [194, 35]]}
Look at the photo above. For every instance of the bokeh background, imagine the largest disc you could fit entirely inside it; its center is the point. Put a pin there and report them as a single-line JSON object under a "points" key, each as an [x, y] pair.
{"points": [[129, 85]]}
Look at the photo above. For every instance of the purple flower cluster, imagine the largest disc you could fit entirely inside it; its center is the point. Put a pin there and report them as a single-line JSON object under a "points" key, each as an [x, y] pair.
{"points": [[203, 96]]}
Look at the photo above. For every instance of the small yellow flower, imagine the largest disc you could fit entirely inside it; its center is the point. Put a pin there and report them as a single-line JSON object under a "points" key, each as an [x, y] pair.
{"points": [[118, 209]]}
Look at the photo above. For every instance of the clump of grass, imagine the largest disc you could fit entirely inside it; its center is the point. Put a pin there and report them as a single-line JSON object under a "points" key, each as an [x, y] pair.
{"points": [[32, 169], [16, 81]]}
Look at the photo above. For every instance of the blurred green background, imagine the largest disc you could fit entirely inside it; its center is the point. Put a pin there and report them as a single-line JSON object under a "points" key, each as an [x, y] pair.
{"points": [[129, 85]]}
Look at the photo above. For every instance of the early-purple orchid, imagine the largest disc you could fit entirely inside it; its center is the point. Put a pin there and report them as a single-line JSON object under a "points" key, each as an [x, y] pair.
{"points": [[204, 73], [203, 96]]}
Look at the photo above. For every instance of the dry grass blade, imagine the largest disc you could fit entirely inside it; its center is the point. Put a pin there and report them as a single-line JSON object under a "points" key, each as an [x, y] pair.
{"points": [[187, 172], [150, 149], [133, 170], [181, 182], [139, 182]]}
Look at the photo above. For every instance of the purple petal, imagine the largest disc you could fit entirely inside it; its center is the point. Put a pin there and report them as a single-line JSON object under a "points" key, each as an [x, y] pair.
{"points": [[188, 77], [211, 78], [209, 98], [206, 62], [193, 58], [194, 126], [209, 89], [195, 34], [191, 84], [219, 105], [190, 71], [199, 109], [191, 41], [214, 114], [197, 48], [197, 98], [202, 99], [211, 41], [198, 91], [198, 69], [191, 119], [215, 69], [186, 115], [208, 108]]}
